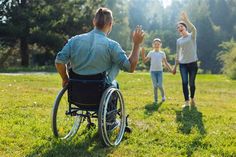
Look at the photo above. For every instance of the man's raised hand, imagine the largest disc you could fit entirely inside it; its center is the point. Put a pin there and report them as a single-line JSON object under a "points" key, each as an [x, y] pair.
{"points": [[138, 35]]}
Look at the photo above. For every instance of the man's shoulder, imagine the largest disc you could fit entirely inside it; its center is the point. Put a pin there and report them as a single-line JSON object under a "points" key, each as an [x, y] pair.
{"points": [[79, 37], [112, 43]]}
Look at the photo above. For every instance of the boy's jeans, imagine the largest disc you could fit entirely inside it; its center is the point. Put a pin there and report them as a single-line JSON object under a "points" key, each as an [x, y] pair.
{"points": [[157, 80]]}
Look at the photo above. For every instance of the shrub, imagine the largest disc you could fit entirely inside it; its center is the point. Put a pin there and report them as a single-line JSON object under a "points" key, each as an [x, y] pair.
{"points": [[228, 58]]}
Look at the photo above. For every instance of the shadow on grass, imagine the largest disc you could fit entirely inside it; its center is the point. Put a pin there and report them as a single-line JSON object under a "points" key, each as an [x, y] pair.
{"points": [[151, 108], [87, 144], [188, 118], [196, 143]]}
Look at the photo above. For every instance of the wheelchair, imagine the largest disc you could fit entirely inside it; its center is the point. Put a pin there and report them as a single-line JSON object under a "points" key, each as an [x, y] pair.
{"points": [[86, 97]]}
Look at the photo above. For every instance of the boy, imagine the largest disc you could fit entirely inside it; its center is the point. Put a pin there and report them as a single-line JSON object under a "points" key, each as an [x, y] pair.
{"points": [[157, 57]]}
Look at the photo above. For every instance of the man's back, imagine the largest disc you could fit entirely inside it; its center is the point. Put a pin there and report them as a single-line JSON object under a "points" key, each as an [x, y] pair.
{"points": [[93, 53]]}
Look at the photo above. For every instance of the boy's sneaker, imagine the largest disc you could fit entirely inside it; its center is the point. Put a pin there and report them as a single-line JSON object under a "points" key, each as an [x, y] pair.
{"points": [[163, 99]]}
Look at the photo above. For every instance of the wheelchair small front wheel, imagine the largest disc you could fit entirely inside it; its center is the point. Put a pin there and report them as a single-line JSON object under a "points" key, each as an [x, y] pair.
{"points": [[111, 117], [64, 125]]}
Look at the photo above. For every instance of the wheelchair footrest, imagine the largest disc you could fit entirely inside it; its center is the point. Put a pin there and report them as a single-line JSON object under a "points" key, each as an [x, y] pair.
{"points": [[72, 113], [127, 128]]}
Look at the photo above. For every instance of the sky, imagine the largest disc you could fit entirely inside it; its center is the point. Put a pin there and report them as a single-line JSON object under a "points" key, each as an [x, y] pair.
{"points": [[166, 3]]}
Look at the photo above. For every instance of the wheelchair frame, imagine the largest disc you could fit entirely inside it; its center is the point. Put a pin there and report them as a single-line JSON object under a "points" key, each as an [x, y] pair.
{"points": [[109, 137]]}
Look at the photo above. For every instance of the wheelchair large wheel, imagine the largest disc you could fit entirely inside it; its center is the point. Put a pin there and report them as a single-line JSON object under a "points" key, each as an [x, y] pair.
{"points": [[111, 117], [64, 125]]}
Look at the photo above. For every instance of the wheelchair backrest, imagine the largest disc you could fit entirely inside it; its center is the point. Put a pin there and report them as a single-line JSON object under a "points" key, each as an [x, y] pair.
{"points": [[85, 91]]}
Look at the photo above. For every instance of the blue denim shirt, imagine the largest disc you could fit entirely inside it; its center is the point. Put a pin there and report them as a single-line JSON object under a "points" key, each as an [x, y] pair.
{"points": [[93, 53]]}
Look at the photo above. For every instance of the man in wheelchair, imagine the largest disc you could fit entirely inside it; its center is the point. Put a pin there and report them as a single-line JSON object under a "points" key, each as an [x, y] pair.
{"points": [[88, 89], [94, 55]]}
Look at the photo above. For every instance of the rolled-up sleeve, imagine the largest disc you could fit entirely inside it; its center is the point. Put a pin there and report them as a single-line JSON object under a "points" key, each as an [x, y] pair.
{"points": [[120, 58], [63, 56]]}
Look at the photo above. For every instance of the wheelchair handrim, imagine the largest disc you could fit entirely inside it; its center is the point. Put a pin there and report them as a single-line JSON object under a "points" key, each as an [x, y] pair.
{"points": [[77, 119], [105, 137]]}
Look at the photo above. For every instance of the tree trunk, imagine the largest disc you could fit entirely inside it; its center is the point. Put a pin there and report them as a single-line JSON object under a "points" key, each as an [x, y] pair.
{"points": [[24, 52], [5, 56], [23, 39]]}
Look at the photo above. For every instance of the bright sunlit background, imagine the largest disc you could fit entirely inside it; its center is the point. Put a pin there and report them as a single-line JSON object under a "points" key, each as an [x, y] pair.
{"points": [[33, 33], [166, 3]]}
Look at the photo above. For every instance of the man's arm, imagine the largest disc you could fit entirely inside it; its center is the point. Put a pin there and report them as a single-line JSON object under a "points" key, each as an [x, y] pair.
{"points": [[138, 36], [61, 68], [61, 60]]}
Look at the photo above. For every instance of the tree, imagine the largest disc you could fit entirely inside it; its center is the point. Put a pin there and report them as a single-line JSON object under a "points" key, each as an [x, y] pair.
{"points": [[137, 13], [120, 31], [219, 10], [228, 58], [44, 22]]}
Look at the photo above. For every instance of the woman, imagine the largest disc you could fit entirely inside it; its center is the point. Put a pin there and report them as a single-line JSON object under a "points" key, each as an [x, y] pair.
{"points": [[186, 57]]}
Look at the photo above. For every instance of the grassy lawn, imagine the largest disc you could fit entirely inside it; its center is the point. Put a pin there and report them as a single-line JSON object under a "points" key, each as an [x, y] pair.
{"points": [[163, 130]]}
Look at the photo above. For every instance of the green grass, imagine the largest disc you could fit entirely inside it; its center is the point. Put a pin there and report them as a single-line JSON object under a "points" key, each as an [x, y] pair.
{"points": [[163, 130], [17, 69]]}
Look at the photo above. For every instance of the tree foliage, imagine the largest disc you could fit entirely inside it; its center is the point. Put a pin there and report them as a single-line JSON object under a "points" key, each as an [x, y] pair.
{"points": [[228, 58], [44, 22], [120, 31], [39, 28], [215, 21]]}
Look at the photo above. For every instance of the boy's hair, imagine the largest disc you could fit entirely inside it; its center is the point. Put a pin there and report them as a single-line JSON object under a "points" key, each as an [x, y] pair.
{"points": [[156, 39]]}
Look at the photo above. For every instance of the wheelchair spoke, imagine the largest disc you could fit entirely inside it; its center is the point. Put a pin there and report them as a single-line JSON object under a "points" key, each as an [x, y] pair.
{"points": [[112, 121], [111, 116], [65, 124]]}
